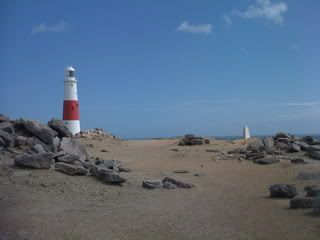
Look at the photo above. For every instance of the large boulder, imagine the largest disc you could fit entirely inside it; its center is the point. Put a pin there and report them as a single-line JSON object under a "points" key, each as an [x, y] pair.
{"points": [[72, 147], [312, 191], [36, 160], [152, 184], [7, 138], [7, 126], [41, 131], [108, 176], [304, 146], [308, 139], [316, 205], [60, 128], [282, 191], [301, 202], [266, 161], [70, 169], [4, 118]]}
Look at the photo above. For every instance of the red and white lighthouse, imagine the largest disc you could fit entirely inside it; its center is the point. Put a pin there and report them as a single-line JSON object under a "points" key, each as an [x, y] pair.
{"points": [[71, 116]]}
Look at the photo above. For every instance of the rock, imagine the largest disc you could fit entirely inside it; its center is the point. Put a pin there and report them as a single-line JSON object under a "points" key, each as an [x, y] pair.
{"points": [[70, 169], [56, 144], [68, 158], [36, 160], [72, 147], [282, 135], [41, 131], [314, 154], [268, 143], [10, 150], [308, 139], [306, 176], [124, 169], [256, 146], [60, 128], [282, 191], [314, 143], [38, 148], [30, 142], [182, 142], [48, 148], [108, 175], [283, 146], [284, 140], [304, 146], [2, 143], [7, 126], [316, 205], [294, 147], [301, 202], [267, 160], [199, 174], [152, 184], [110, 164], [312, 191], [20, 141], [59, 154], [104, 150], [314, 148], [298, 161], [7, 138], [180, 184], [180, 171], [169, 185], [4, 118], [189, 136], [255, 156]]}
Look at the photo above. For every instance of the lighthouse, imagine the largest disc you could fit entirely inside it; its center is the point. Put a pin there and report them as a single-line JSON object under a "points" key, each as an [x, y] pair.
{"points": [[71, 116]]}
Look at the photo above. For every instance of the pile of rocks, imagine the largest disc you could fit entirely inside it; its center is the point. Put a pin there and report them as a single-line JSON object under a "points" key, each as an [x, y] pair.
{"points": [[166, 183], [97, 134], [40, 146], [270, 149], [191, 140], [310, 200]]}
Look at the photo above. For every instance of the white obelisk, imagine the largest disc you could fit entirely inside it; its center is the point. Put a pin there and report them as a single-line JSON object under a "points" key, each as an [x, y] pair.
{"points": [[246, 133]]}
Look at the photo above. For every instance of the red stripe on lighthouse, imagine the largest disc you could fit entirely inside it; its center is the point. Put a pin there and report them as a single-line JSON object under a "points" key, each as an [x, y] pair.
{"points": [[71, 110]]}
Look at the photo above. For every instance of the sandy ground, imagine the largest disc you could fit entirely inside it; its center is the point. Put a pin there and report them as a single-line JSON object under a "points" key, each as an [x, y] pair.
{"points": [[230, 199]]}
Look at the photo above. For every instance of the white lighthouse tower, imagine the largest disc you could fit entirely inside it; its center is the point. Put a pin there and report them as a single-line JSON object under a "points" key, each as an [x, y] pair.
{"points": [[246, 133], [71, 116]]}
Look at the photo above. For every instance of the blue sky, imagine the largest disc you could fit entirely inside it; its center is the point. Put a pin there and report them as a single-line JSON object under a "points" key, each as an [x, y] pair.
{"points": [[165, 68]]}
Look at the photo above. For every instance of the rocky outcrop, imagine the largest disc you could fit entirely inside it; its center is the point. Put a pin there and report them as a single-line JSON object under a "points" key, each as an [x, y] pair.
{"points": [[267, 160], [36, 160]]}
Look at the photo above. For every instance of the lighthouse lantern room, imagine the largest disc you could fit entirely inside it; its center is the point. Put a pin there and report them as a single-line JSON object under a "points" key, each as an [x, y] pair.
{"points": [[71, 116]]}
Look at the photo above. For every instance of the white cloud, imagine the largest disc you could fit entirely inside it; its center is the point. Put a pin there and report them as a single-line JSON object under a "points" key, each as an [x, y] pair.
{"points": [[264, 9], [295, 47], [315, 103], [227, 19], [194, 28], [244, 51], [42, 28]]}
